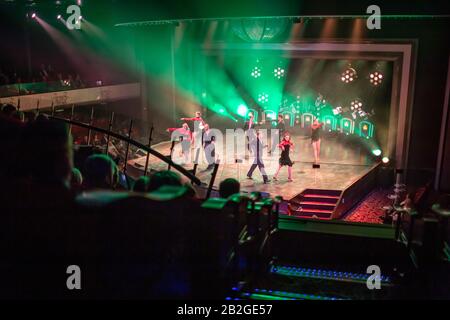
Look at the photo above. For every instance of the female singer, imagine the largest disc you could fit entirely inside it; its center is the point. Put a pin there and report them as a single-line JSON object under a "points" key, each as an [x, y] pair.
{"points": [[285, 146], [315, 139], [185, 135]]}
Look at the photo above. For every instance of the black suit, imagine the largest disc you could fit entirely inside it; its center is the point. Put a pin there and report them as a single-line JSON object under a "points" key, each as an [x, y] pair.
{"points": [[257, 147]]}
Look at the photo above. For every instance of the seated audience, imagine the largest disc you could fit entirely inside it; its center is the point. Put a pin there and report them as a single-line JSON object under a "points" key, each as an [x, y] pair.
{"points": [[100, 172], [141, 184], [48, 161], [76, 182], [164, 178], [8, 110], [229, 187]]}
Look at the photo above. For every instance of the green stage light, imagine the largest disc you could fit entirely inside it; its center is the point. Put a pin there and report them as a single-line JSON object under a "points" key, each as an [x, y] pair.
{"points": [[385, 160], [278, 72], [263, 97], [242, 110], [221, 110], [376, 152], [256, 72]]}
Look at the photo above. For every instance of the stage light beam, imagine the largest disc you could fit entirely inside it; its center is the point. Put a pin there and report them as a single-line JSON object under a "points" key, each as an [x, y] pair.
{"points": [[242, 110], [376, 152]]}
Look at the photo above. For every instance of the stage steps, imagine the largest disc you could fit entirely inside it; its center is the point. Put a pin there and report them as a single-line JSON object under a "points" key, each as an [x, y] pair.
{"points": [[314, 203]]}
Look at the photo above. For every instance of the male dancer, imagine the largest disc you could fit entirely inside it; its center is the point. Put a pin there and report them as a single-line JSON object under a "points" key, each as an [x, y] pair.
{"points": [[257, 147], [249, 128], [199, 124]]}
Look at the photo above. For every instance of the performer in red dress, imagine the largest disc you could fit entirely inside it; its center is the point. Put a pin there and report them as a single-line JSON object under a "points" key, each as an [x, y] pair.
{"points": [[286, 146], [185, 135]]}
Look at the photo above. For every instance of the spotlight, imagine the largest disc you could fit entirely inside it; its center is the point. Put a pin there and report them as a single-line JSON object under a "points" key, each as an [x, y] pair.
{"points": [[242, 110], [59, 17], [33, 15], [278, 72], [385, 160], [337, 110], [263, 97], [356, 105], [80, 18], [349, 75], [256, 72], [377, 152], [375, 78]]}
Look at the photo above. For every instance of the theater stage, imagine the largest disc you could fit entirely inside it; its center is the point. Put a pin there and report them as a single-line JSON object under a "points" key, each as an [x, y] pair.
{"points": [[341, 164]]}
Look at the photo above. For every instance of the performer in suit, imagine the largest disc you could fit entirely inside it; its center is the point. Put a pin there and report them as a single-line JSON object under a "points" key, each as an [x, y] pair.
{"points": [[209, 147], [315, 139], [286, 146], [185, 136], [199, 125], [249, 128], [257, 147]]}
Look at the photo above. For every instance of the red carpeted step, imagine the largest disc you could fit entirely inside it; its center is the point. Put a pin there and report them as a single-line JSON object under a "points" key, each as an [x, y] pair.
{"points": [[309, 195], [308, 198], [317, 205], [314, 210], [311, 217]]}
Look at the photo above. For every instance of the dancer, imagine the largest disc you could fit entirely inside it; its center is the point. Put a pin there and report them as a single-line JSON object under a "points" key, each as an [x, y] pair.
{"points": [[286, 146], [281, 127], [199, 125], [250, 123], [209, 147], [185, 135], [258, 148], [315, 139], [249, 128]]}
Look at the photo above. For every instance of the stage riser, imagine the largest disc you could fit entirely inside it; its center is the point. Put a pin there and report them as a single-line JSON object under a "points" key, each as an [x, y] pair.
{"points": [[315, 199], [317, 206]]}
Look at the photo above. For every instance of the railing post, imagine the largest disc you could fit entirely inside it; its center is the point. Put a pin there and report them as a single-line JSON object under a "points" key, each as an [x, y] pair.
{"points": [[148, 154], [18, 104], [72, 111], [172, 146], [111, 120], [53, 109], [213, 178], [37, 107], [91, 121], [126, 153]]}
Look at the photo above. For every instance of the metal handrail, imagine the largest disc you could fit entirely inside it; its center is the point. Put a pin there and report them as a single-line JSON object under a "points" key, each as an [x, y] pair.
{"points": [[148, 149]]}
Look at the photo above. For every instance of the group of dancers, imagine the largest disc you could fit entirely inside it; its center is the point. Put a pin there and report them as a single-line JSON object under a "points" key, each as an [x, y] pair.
{"points": [[203, 138]]}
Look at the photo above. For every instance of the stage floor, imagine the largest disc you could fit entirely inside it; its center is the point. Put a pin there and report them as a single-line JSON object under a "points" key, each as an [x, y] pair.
{"points": [[341, 165]]}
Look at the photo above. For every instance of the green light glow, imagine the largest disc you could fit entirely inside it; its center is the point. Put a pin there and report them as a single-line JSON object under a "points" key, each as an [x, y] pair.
{"points": [[376, 152], [242, 110]]}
